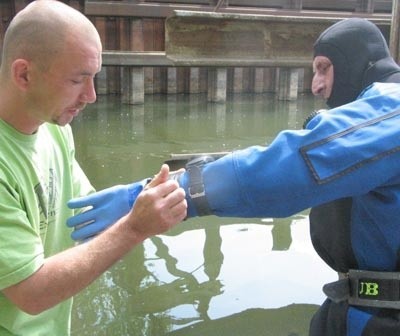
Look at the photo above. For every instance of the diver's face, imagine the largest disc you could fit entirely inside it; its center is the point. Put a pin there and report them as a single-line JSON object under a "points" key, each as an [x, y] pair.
{"points": [[322, 82]]}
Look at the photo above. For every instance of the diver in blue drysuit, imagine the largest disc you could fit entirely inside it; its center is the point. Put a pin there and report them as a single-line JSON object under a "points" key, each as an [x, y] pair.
{"points": [[345, 165]]}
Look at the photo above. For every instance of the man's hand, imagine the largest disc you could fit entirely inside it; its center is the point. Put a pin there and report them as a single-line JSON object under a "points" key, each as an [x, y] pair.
{"points": [[159, 207]]}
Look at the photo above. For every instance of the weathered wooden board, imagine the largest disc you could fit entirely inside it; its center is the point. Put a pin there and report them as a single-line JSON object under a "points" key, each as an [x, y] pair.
{"points": [[196, 38]]}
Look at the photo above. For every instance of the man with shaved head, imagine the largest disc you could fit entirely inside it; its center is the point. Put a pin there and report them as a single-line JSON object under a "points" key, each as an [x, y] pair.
{"points": [[51, 54]]}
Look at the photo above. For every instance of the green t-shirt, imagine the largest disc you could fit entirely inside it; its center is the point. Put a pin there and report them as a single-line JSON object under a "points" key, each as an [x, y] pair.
{"points": [[38, 175]]}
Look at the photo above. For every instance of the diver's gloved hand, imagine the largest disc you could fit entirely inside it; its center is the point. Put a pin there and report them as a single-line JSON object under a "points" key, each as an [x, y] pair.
{"points": [[105, 207]]}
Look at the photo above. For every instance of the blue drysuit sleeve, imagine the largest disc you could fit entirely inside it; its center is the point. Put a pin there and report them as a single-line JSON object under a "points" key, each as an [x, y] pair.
{"points": [[344, 152]]}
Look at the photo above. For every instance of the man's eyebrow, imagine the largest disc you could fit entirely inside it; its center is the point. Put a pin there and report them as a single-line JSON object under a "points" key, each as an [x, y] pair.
{"points": [[84, 73]]}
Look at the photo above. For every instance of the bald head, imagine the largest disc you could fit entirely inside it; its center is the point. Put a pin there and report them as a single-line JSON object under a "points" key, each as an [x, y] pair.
{"points": [[42, 30]]}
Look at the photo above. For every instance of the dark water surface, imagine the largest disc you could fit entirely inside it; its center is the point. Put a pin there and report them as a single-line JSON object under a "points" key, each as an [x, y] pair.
{"points": [[208, 276]]}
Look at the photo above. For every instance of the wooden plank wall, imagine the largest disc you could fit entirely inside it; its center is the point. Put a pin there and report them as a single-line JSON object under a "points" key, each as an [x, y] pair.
{"points": [[147, 34]]}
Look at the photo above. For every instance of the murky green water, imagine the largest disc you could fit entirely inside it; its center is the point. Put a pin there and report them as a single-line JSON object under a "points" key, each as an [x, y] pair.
{"points": [[208, 276]]}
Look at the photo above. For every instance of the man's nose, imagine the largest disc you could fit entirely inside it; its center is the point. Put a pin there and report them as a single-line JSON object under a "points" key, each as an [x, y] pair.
{"points": [[89, 95]]}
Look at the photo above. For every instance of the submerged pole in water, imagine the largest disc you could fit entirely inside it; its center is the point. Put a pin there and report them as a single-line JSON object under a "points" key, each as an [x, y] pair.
{"points": [[217, 84], [288, 83]]}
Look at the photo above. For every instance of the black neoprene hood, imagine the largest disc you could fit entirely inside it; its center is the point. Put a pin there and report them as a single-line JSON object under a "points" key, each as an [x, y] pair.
{"points": [[353, 46]]}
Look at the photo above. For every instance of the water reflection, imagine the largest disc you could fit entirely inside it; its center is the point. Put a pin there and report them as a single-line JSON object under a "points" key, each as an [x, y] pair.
{"points": [[208, 276]]}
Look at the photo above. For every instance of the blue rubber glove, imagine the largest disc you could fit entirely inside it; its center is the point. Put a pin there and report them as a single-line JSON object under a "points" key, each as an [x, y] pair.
{"points": [[105, 208]]}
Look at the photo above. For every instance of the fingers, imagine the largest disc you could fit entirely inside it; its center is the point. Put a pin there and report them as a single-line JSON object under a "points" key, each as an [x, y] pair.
{"points": [[158, 209], [83, 217], [177, 204], [167, 195], [160, 177], [84, 232], [173, 203], [79, 202]]}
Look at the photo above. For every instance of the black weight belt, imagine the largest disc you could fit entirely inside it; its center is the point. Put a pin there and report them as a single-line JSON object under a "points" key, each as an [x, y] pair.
{"points": [[366, 288]]}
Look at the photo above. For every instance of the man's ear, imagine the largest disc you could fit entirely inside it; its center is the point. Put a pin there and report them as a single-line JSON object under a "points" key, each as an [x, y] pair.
{"points": [[20, 73]]}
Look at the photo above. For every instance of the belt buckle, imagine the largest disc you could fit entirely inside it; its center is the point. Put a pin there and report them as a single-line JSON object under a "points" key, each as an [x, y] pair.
{"points": [[197, 193]]}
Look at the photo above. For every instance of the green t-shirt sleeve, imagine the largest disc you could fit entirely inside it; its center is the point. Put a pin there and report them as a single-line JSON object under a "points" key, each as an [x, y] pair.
{"points": [[21, 249]]}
